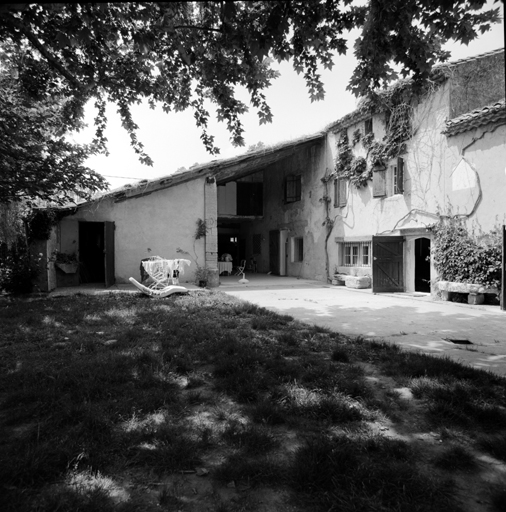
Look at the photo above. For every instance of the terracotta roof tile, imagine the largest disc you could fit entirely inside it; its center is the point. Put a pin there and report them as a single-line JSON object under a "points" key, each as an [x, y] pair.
{"points": [[365, 109], [476, 118]]}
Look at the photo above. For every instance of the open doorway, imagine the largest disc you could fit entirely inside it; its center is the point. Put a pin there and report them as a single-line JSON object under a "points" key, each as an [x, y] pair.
{"points": [[422, 265], [91, 252]]}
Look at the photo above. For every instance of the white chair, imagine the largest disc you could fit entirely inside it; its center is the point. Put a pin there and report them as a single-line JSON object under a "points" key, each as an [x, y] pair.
{"points": [[240, 268], [161, 272]]}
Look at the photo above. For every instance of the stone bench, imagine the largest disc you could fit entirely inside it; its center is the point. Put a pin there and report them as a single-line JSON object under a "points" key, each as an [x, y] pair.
{"points": [[475, 292]]}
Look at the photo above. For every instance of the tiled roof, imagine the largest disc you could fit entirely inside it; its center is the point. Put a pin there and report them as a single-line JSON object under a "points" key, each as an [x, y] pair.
{"points": [[475, 118], [365, 108], [240, 165]]}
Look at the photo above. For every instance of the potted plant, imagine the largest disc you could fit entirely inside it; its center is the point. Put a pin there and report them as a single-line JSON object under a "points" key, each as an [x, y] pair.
{"points": [[201, 276], [68, 263]]}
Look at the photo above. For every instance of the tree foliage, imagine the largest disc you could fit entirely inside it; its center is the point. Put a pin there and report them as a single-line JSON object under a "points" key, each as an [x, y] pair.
{"points": [[36, 159], [183, 54]]}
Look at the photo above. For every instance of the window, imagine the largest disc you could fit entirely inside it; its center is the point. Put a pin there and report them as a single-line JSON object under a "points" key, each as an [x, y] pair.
{"points": [[366, 256], [340, 193], [292, 188], [379, 183], [398, 176], [356, 254], [257, 244], [368, 126], [297, 249]]}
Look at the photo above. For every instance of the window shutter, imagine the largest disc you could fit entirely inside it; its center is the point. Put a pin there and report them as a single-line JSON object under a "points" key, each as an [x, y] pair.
{"points": [[399, 181], [293, 188], [342, 186], [379, 184]]}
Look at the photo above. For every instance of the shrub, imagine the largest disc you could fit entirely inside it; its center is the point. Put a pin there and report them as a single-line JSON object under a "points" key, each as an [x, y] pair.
{"points": [[18, 268], [461, 257]]}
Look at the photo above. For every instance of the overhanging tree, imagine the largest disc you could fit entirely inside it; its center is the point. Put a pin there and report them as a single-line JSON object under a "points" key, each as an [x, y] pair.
{"points": [[37, 161], [180, 54]]}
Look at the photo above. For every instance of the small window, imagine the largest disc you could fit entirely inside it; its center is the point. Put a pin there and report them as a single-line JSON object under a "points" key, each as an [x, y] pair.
{"points": [[356, 254], [292, 188], [398, 175], [347, 255], [366, 261], [340, 193], [257, 244], [368, 126], [298, 249], [379, 183]]}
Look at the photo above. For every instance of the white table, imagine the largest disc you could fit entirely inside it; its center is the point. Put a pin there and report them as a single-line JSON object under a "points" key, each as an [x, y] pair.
{"points": [[224, 266]]}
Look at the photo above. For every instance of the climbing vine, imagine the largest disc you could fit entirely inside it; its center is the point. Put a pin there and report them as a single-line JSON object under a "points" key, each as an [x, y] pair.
{"points": [[350, 167], [397, 104]]}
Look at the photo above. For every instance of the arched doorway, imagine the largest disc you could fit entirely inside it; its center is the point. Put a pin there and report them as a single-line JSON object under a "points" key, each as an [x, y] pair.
{"points": [[422, 265]]}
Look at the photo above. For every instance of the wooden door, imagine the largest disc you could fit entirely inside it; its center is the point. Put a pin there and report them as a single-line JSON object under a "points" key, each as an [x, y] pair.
{"points": [[274, 252], [387, 264], [109, 253]]}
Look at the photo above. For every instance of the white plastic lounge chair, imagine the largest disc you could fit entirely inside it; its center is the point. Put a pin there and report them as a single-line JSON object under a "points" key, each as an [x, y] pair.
{"points": [[163, 275], [154, 292]]}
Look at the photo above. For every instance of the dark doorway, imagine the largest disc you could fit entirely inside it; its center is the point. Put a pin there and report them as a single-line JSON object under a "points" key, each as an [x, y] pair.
{"points": [[228, 244], [422, 265], [274, 252], [387, 264], [91, 252]]}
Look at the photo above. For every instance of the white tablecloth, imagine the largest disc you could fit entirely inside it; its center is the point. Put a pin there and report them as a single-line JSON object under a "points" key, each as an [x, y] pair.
{"points": [[225, 266]]}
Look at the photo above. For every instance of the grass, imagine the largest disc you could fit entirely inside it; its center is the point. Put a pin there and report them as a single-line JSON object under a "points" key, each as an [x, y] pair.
{"points": [[104, 399]]}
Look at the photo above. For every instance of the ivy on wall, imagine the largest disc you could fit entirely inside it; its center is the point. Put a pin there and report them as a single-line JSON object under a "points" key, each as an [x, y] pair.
{"points": [[397, 104], [461, 257], [348, 166]]}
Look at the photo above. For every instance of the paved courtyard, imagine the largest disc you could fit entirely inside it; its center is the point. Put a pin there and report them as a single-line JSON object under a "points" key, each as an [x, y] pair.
{"points": [[413, 322]]}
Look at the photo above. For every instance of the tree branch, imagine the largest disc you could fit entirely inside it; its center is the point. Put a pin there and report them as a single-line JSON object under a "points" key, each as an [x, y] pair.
{"points": [[205, 29], [51, 59]]}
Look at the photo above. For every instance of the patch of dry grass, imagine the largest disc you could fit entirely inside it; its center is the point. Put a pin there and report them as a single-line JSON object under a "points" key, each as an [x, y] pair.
{"points": [[105, 399]]}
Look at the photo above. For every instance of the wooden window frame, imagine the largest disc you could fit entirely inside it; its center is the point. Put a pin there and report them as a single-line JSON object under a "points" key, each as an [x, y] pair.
{"points": [[356, 254]]}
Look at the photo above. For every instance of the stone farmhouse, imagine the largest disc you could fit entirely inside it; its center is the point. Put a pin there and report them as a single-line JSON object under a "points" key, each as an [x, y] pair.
{"points": [[356, 198]]}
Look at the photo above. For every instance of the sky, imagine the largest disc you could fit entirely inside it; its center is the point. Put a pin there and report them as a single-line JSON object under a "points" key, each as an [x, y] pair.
{"points": [[173, 141]]}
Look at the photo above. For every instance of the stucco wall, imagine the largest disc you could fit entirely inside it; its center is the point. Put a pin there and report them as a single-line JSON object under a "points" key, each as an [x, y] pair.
{"points": [[156, 224], [302, 218], [463, 174], [484, 151]]}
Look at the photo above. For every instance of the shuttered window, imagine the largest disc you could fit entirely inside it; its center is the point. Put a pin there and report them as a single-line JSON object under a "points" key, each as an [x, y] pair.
{"points": [[340, 193], [292, 188], [398, 173], [379, 183]]}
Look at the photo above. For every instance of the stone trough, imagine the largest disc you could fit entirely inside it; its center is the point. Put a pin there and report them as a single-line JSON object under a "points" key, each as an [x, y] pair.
{"points": [[475, 292]]}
